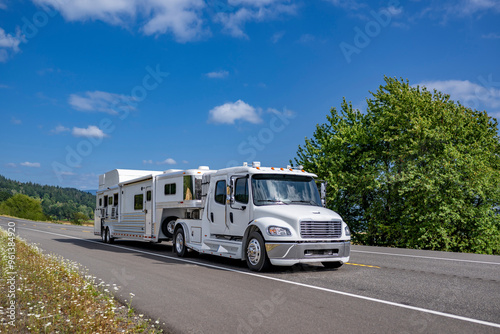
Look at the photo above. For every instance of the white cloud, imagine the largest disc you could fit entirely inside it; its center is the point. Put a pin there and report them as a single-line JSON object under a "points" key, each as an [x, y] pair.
{"points": [[491, 35], [168, 161], [229, 112], [101, 101], [277, 36], [2, 5], [11, 164], [9, 44], [91, 131], [217, 74], [147, 161], [257, 11], [468, 7], [30, 164], [468, 93], [347, 4], [182, 18], [15, 121], [60, 129]]}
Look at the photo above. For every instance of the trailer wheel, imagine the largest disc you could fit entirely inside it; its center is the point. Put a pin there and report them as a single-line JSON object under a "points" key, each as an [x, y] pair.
{"points": [[180, 243], [104, 235], [168, 225], [332, 265], [109, 239], [255, 255]]}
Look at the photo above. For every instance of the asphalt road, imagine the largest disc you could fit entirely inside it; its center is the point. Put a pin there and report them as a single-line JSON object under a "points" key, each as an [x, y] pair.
{"points": [[381, 290]]}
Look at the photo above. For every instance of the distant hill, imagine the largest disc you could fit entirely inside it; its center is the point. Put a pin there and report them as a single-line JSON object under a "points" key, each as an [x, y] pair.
{"points": [[57, 203]]}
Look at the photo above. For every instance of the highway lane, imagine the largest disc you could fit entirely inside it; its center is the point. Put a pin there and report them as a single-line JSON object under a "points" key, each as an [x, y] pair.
{"points": [[382, 290]]}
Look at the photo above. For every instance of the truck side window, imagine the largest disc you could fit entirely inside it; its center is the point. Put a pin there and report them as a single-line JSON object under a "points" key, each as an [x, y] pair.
{"points": [[241, 191], [138, 202], [220, 192]]}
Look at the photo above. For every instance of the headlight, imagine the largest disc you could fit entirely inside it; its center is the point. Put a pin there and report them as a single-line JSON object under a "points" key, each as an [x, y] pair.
{"points": [[347, 231], [278, 231]]}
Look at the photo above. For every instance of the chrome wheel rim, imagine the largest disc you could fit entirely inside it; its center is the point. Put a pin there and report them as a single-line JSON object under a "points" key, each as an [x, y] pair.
{"points": [[179, 242], [253, 252], [170, 226]]}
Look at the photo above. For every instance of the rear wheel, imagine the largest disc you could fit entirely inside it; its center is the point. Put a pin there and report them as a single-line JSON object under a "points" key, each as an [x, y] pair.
{"points": [[104, 235], [255, 255], [109, 239], [180, 242], [332, 265]]}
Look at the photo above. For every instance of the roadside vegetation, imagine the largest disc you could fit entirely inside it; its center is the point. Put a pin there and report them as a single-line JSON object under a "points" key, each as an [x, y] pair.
{"points": [[53, 296], [45, 202], [416, 170]]}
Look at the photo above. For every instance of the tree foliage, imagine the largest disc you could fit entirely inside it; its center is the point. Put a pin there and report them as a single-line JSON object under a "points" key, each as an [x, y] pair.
{"points": [[23, 206], [417, 170], [57, 203]]}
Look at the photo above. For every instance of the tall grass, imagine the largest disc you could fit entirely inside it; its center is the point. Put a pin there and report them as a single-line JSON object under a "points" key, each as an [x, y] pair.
{"points": [[52, 296]]}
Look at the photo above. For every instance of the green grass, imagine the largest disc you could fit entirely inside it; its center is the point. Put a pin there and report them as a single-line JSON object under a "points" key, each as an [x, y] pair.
{"points": [[53, 296]]}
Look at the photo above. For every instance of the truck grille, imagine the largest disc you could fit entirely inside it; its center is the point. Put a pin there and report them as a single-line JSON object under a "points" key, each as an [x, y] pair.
{"points": [[321, 230]]}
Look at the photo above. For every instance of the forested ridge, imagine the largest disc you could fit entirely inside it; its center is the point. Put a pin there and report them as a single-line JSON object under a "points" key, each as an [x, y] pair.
{"points": [[56, 203]]}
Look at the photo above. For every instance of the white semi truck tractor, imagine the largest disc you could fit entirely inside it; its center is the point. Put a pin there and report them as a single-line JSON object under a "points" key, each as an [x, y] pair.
{"points": [[264, 216]]}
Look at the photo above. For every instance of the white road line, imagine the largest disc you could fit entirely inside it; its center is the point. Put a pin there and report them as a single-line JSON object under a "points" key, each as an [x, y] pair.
{"points": [[381, 301], [425, 257]]}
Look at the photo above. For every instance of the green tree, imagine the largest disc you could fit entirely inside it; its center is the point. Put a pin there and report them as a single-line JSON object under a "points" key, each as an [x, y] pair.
{"points": [[416, 170], [79, 218], [23, 206]]}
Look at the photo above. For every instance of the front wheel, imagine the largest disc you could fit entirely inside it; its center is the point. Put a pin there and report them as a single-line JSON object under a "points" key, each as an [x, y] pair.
{"points": [[255, 255], [180, 243], [332, 265]]}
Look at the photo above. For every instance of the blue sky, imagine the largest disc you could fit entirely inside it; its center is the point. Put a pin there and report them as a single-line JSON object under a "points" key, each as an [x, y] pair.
{"points": [[90, 86]]}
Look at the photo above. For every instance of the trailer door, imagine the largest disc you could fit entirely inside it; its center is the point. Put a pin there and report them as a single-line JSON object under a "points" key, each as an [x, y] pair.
{"points": [[148, 211]]}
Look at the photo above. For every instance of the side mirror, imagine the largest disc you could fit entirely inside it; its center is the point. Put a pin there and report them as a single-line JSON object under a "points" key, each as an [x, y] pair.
{"points": [[322, 191]]}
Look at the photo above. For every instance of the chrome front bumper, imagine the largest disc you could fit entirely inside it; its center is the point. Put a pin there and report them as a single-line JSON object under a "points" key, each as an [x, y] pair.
{"points": [[287, 254]]}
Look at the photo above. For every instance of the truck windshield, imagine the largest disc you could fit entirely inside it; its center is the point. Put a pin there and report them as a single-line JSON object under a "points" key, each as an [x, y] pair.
{"points": [[272, 189]]}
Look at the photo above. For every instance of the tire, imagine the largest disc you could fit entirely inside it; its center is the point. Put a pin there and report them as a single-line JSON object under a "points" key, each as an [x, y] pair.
{"points": [[332, 265], [108, 237], [180, 243], [255, 253], [104, 235], [167, 227]]}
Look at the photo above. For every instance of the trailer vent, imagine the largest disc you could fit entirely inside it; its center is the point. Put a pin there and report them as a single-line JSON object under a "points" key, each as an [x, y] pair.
{"points": [[321, 230]]}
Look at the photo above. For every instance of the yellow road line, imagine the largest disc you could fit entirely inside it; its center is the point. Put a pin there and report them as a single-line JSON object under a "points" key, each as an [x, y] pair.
{"points": [[63, 228], [362, 265], [86, 231]]}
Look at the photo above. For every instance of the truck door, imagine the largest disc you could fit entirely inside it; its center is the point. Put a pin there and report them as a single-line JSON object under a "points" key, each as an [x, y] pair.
{"points": [[238, 211], [148, 210], [217, 206]]}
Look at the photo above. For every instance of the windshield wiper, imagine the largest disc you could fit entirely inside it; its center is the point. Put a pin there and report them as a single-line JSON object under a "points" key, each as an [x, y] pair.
{"points": [[271, 201], [308, 202]]}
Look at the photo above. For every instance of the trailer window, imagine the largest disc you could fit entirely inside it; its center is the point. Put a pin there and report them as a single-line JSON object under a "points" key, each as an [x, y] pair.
{"points": [[188, 187], [197, 187], [115, 199], [100, 201], [138, 201], [220, 192], [241, 190], [105, 201], [148, 195], [110, 200], [170, 189]]}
